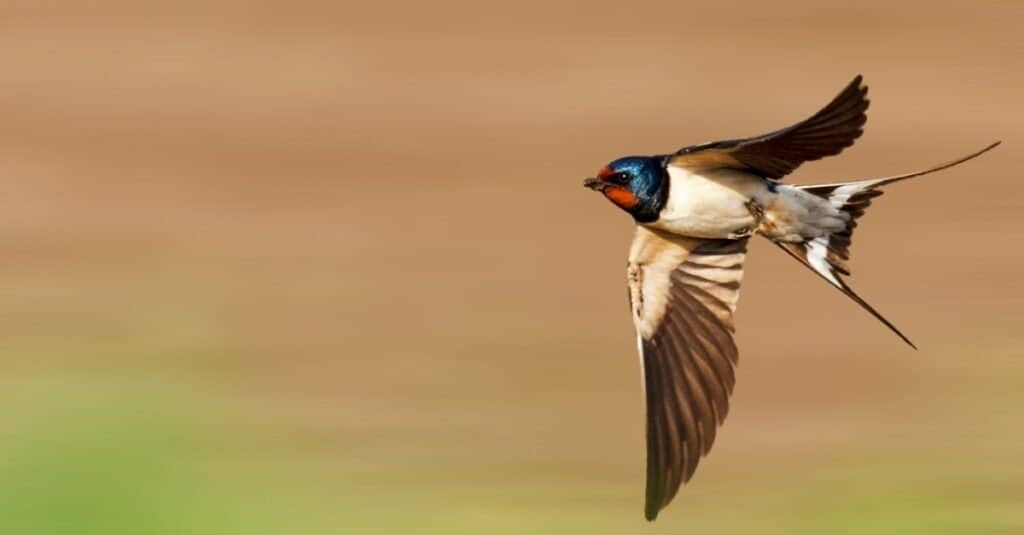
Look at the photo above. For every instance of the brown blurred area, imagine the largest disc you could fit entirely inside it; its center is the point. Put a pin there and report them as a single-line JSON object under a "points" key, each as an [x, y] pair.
{"points": [[363, 226]]}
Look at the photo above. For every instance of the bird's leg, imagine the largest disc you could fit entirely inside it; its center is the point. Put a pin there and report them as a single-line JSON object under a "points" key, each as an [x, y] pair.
{"points": [[745, 232]]}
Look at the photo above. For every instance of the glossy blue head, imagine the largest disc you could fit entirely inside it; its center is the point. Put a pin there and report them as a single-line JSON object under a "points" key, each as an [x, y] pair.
{"points": [[637, 184]]}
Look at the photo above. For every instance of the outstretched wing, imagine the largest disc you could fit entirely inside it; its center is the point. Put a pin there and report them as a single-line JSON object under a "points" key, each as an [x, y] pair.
{"points": [[778, 153], [683, 292]]}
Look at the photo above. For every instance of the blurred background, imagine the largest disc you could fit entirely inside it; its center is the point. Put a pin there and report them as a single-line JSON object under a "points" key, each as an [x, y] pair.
{"points": [[319, 267]]}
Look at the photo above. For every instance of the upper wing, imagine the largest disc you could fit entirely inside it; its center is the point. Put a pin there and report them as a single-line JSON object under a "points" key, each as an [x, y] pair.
{"points": [[778, 153], [683, 292]]}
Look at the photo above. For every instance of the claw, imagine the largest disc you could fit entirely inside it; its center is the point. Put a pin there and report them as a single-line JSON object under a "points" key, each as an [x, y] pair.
{"points": [[758, 213], [755, 210]]}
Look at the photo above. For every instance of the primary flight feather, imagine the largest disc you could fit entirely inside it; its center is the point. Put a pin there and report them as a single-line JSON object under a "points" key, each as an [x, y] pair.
{"points": [[695, 210]]}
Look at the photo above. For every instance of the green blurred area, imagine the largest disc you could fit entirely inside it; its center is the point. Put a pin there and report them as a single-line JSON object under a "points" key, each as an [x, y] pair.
{"points": [[276, 268], [83, 454]]}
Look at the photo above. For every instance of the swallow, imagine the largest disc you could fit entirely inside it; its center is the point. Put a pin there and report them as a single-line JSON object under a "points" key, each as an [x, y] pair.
{"points": [[695, 210]]}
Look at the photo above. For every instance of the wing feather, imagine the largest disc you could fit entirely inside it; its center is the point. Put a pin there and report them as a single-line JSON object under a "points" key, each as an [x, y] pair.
{"points": [[776, 154], [683, 293]]}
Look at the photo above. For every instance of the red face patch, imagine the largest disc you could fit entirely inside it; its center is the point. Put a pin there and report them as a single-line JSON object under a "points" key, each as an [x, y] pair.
{"points": [[622, 197], [605, 172]]}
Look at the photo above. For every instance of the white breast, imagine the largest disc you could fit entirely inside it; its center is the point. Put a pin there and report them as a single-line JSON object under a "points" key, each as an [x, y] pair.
{"points": [[709, 203]]}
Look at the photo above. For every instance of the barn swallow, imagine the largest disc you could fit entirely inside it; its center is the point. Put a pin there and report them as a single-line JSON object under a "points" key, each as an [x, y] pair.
{"points": [[695, 210]]}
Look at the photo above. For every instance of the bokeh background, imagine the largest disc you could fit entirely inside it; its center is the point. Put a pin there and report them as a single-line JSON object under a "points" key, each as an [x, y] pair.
{"points": [[322, 267]]}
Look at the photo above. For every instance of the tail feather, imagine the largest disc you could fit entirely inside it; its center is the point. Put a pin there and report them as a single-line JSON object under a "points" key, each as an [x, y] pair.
{"points": [[852, 198], [798, 252], [828, 255]]}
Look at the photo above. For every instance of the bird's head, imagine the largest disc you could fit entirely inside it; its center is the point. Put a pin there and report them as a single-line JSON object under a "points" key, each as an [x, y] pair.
{"points": [[637, 184]]}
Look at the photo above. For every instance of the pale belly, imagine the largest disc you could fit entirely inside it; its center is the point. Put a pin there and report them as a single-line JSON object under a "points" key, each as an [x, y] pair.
{"points": [[710, 204]]}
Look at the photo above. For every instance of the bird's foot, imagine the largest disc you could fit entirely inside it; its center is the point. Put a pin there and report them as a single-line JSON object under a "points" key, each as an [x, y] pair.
{"points": [[755, 210], [745, 232]]}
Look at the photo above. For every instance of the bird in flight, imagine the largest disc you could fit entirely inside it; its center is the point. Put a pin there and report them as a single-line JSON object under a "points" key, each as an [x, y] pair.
{"points": [[695, 210]]}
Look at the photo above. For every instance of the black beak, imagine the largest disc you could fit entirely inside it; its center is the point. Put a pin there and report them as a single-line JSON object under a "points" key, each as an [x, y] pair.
{"points": [[595, 184]]}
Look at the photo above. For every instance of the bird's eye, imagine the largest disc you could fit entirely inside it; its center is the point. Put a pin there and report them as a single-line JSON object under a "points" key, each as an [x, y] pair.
{"points": [[621, 178]]}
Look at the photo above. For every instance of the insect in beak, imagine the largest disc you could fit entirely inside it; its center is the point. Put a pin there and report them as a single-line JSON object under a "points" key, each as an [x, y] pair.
{"points": [[595, 184]]}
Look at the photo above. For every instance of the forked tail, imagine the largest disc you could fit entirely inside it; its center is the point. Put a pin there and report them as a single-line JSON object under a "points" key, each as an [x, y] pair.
{"points": [[828, 255]]}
